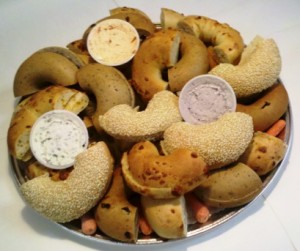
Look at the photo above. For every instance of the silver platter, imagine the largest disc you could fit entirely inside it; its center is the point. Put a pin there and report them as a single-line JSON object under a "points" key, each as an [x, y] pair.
{"points": [[196, 229]]}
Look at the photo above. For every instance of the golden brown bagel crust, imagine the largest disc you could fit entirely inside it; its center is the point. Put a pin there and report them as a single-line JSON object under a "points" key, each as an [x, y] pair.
{"points": [[258, 69], [151, 174], [159, 53], [268, 109], [193, 62], [63, 201], [263, 153], [219, 143], [227, 42], [156, 53]]}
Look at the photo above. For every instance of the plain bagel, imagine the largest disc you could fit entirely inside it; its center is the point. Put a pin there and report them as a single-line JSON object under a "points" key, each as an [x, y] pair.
{"points": [[159, 53], [268, 108], [257, 70], [227, 42], [63, 201], [219, 143]]}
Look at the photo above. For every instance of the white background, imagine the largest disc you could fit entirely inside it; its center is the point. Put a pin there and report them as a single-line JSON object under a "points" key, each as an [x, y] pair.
{"points": [[272, 222]]}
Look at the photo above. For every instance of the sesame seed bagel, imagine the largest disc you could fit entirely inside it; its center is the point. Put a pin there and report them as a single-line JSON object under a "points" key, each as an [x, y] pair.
{"points": [[258, 69], [63, 201], [227, 42], [219, 143], [161, 52], [126, 123]]}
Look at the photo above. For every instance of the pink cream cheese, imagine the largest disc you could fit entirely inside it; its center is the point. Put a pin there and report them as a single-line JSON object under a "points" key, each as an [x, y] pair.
{"points": [[205, 98]]}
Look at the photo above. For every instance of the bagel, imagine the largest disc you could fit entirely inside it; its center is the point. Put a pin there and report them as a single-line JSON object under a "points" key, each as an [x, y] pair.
{"points": [[150, 174], [126, 123], [142, 23], [194, 58], [108, 85], [126, 10], [168, 217], [115, 215], [229, 187], [64, 201], [169, 18], [31, 108], [160, 52], [43, 68], [73, 57], [258, 69], [227, 42], [163, 46], [219, 143], [263, 153], [267, 109]]}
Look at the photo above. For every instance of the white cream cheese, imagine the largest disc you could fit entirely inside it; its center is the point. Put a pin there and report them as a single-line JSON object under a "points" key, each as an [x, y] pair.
{"points": [[113, 42], [57, 137], [205, 98]]}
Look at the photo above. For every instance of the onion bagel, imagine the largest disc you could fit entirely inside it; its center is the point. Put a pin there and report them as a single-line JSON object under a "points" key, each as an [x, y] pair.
{"points": [[159, 53], [31, 108], [219, 143], [115, 215], [227, 42], [257, 70], [43, 68], [108, 85], [150, 174], [63, 201], [267, 109], [126, 123]]}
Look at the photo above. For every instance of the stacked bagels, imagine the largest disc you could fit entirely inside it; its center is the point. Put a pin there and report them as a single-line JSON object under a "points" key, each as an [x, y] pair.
{"points": [[143, 160]]}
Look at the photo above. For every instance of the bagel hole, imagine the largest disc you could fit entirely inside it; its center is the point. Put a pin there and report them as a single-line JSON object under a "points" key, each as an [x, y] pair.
{"points": [[164, 75]]}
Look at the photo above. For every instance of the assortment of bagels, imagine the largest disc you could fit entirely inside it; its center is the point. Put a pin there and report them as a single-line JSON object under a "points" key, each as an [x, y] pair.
{"points": [[143, 158]]}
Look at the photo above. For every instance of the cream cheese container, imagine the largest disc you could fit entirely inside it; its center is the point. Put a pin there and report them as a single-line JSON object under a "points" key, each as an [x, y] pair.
{"points": [[113, 42], [57, 137], [205, 98]]}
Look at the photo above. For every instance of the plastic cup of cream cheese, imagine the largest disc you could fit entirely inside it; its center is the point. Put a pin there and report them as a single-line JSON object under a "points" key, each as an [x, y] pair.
{"points": [[57, 137], [205, 98], [113, 42]]}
